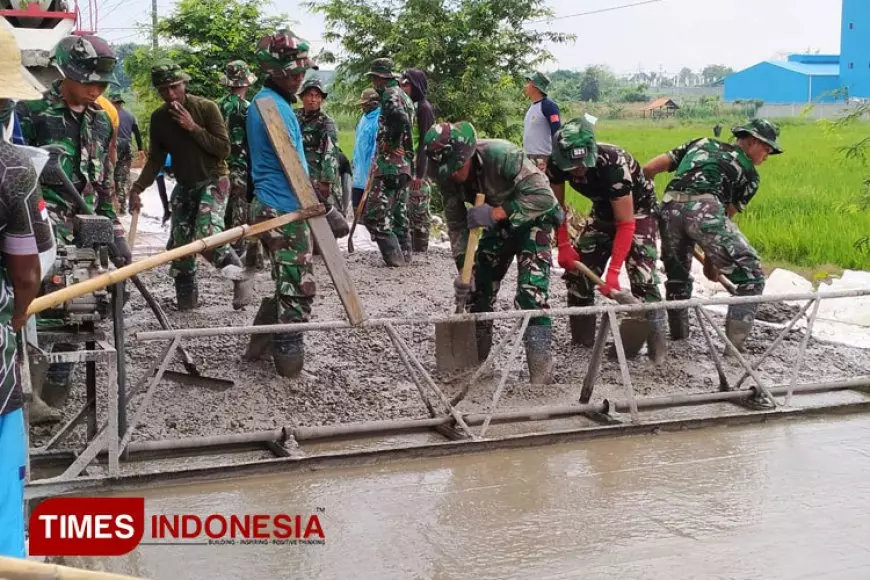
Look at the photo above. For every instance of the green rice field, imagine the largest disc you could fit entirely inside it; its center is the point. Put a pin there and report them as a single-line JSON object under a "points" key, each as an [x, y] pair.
{"points": [[806, 213]]}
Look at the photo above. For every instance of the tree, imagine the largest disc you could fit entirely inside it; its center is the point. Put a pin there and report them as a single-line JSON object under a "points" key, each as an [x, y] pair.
{"points": [[590, 86], [714, 74], [475, 52], [208, 34], [685, 76]]}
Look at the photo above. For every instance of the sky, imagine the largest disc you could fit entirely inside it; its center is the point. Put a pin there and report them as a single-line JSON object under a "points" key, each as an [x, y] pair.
{"points": [[661, 35]]}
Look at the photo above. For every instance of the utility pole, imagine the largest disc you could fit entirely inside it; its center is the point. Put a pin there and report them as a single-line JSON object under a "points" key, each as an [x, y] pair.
{"points": [[154, 24]]}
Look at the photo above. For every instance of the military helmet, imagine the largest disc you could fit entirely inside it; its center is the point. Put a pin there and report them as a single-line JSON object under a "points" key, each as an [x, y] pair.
{"points": [[763, 130], [238, 74], [85, 59], [574, 145], [449, 146], [313, 83], [165, 72], [383, 68], [283, 52]]}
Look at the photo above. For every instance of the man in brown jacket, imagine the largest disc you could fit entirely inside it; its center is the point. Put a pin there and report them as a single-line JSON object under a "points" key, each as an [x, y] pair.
{"points": [[192, 130]]}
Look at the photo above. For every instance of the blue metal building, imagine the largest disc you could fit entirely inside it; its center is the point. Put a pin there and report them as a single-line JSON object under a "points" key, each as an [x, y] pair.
{"points": [[818, 78]]}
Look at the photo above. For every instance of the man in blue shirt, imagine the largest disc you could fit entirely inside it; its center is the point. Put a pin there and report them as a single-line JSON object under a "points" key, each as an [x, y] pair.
{"points": [[364, 147], [283, 58], [542, 120]]}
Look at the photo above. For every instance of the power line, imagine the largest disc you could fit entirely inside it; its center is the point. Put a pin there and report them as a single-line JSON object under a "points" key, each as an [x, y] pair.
{"points": [[597, 11]]}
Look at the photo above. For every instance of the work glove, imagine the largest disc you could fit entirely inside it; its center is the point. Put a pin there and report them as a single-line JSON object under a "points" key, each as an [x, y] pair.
{"points": [[567, 254], [611, 282], [123, 255], [711, 271], [135, 201], [480, 216], [462, 291]]}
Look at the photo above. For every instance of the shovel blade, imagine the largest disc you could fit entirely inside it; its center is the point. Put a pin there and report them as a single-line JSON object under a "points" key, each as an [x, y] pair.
{"points": [[634, 333], [455, 346], [198, 381]]}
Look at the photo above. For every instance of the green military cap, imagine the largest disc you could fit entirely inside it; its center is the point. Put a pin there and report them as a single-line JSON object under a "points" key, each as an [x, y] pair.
{"points": [[369, 96], [763, 130], [382, 67], [574, 145], [165, 72], [449, 146], [313, 83], [86, 59], [283, 51], [238, 74], [540, 80]]}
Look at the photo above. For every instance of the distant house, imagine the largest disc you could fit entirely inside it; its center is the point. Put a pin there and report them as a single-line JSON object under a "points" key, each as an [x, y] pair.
{"points": [[661, 107], [818, 78]]}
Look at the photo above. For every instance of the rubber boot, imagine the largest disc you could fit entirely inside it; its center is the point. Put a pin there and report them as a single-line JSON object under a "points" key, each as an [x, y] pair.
{"points": [[405, 244], [186, 292], [678, 320], [288, 354], [243, 281], [538, 354], [337, 223], [657, 342], [737, 332], [391, 251], [58, 379], [483, 334], [420, 242], [260, 344], [582, 326]]}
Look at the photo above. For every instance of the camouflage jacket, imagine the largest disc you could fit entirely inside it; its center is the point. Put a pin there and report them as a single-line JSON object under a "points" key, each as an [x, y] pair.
{"points": [[394, 151], [320, 139], [713, 167], [85, 137], [616, 174], [234, 110], [509, 180]]}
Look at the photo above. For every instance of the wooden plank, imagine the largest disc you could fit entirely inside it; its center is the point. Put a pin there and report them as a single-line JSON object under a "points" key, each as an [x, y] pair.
{"points": [[298, 179]]}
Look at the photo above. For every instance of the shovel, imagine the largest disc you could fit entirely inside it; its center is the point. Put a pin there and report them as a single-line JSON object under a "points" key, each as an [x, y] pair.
{"points": [[633, 331], [456, 342]]}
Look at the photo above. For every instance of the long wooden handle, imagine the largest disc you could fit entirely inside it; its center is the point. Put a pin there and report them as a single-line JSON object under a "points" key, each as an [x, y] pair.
{"points": [[110, 278], [134, 224], [359, 210], [589, 273], [728, 284], [471, 246], [16, 569]]}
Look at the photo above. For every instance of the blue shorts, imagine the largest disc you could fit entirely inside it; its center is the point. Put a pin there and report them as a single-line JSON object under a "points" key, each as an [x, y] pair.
{"points": [[12, 465]]}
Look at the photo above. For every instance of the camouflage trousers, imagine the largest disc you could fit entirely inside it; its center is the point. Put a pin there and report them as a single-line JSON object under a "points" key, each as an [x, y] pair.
{"points": [[122, 178], [704, 222], [289, 249], [418, 207], [594, 245], [237, 211], [197, 212], [531, 247], [386, 210]]}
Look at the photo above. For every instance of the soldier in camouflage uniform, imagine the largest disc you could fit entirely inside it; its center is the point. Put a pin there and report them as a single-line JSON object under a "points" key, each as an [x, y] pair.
{"points": [[519, 215], [386, 211], [128, 128], [712, 182], [283, 58], [192, 130], [237, 78], [623, 227]]}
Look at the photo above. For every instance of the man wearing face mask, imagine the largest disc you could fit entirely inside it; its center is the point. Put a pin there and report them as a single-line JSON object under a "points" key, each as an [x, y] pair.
{"points": [[68, 116], [192, 130], [24, 233], [320, 139], [283, 59], [713, 181]]}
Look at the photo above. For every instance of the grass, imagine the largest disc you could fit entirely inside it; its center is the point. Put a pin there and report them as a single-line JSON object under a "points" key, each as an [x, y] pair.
{"points": [[804, 214]]}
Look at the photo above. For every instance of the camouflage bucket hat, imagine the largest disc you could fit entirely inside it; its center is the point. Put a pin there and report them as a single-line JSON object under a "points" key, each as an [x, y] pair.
{"points": [[540, 80], [166, 72], [283, 52], [574, 145], [763, 130], [238, 74], [383, 68], [450, 146], [114, 96], [85, 59], [369, 96], [313, 84]]}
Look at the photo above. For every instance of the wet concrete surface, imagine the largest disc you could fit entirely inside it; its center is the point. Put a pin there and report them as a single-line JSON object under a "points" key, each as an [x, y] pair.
{"points": [[787, 500]]}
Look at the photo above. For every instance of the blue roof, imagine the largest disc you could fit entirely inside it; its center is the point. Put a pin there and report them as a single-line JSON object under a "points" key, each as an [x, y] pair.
{"points": [[816, 70]]}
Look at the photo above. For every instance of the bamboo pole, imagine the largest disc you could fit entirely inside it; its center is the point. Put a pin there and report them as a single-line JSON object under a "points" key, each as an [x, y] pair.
{"points": [[197, 246], [18, 569]]}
